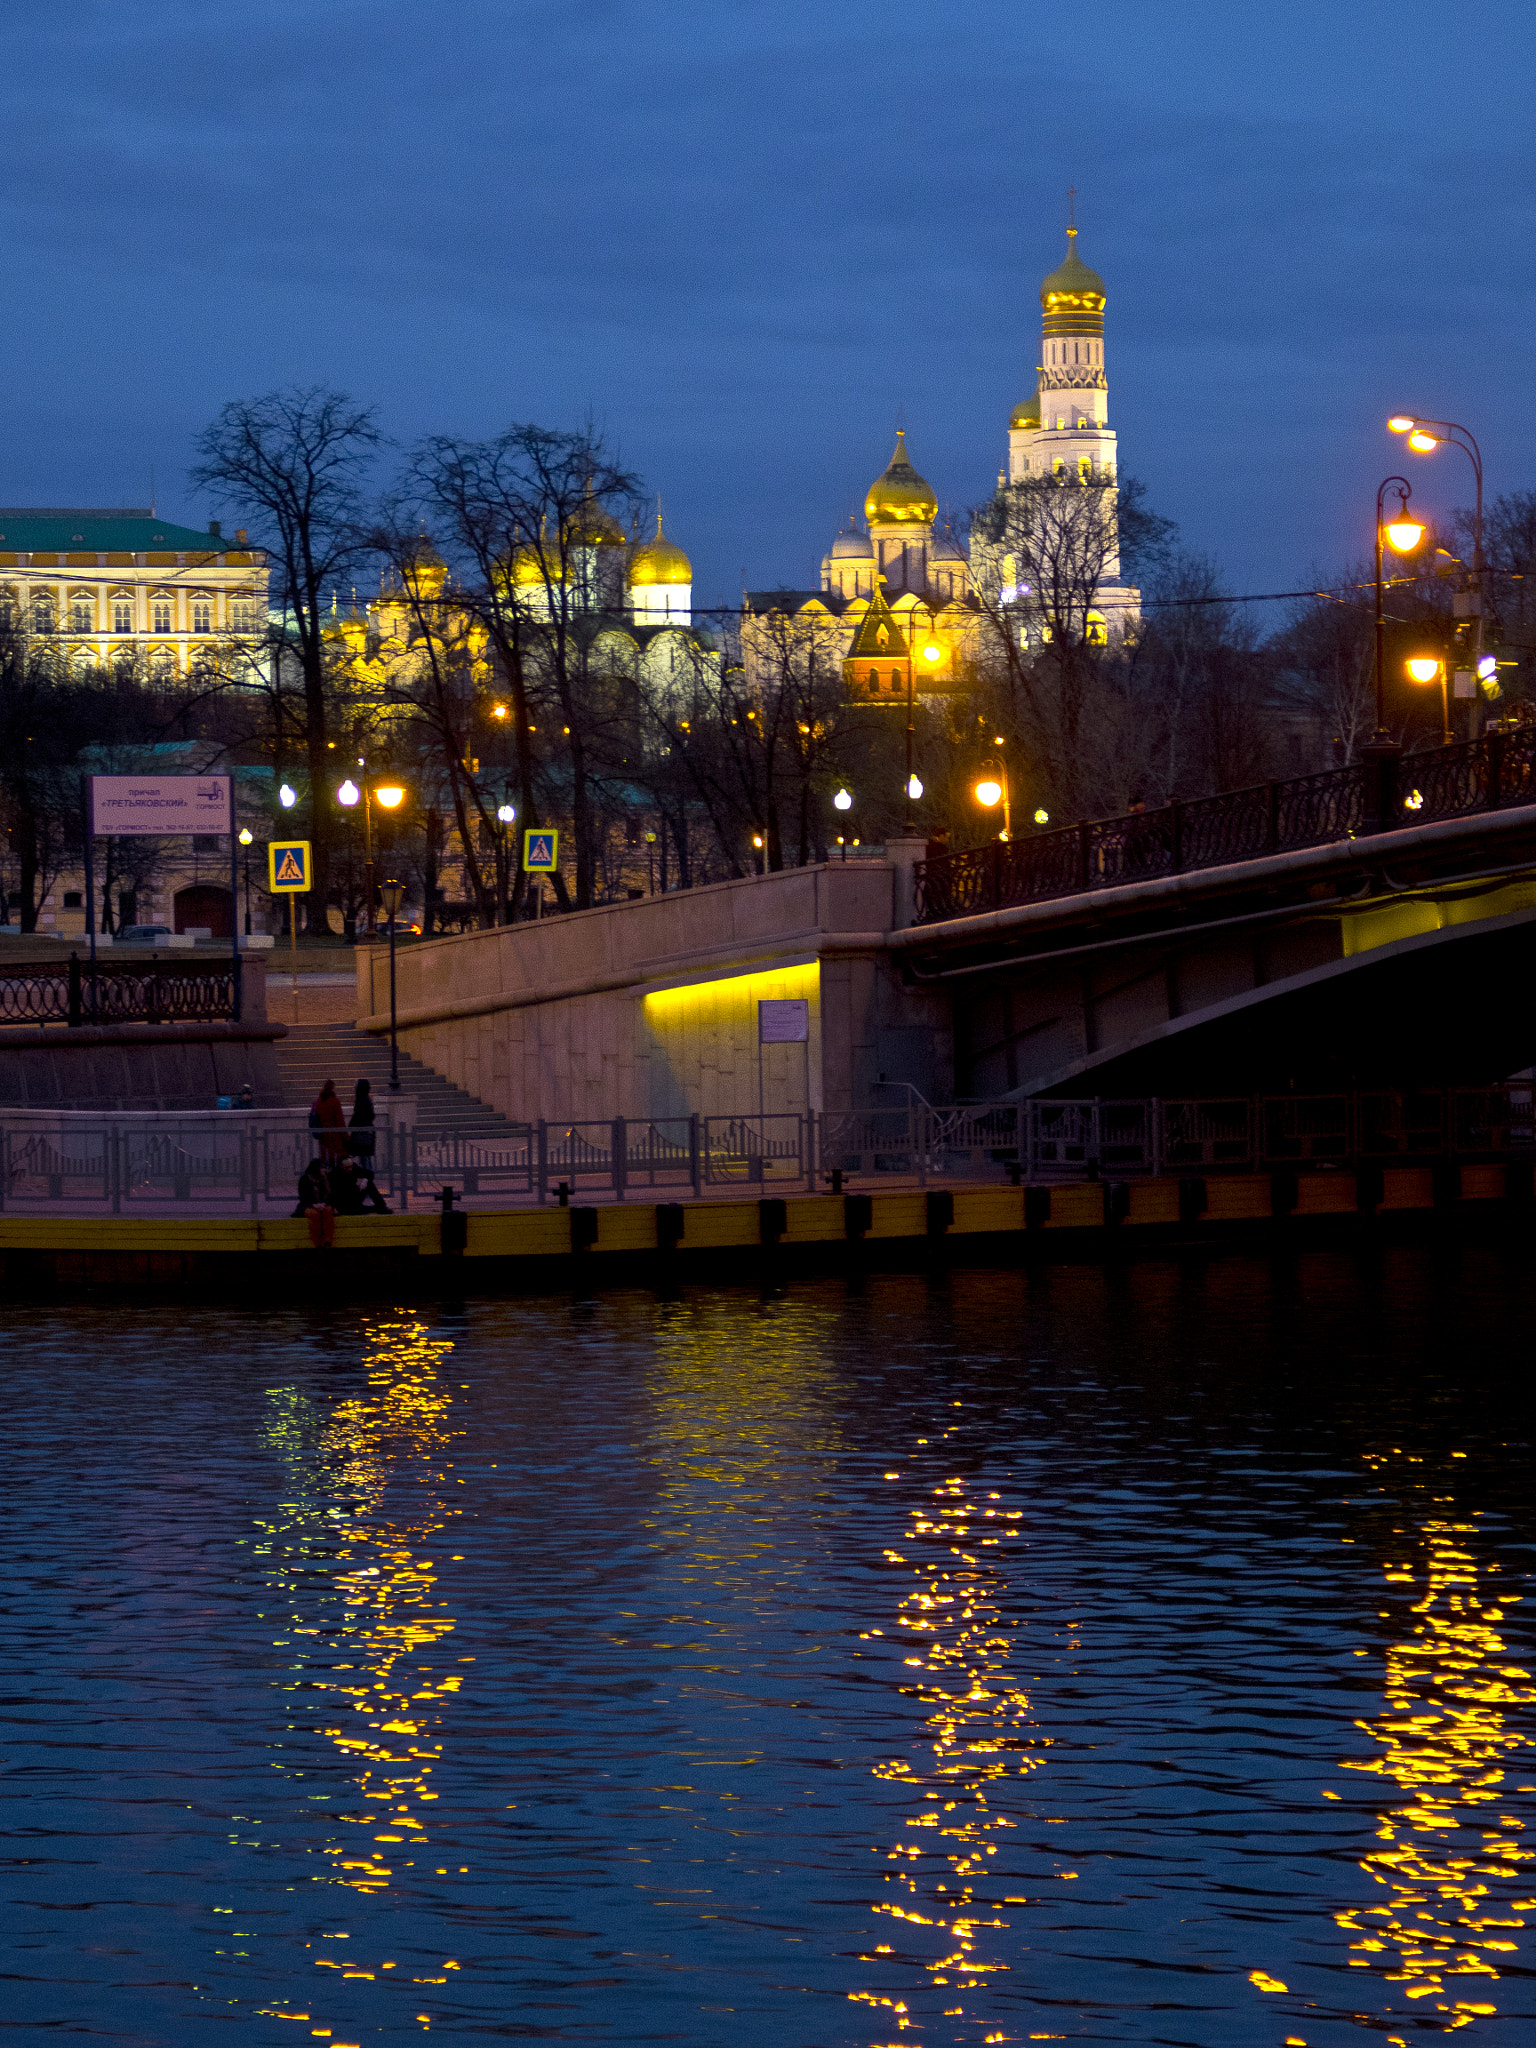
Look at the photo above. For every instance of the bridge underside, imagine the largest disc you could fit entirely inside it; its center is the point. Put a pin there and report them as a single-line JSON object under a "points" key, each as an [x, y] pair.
{"points": [[1333, 1003]]}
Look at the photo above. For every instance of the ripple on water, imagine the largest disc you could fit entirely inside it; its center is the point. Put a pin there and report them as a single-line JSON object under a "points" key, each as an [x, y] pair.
{"points": [[1123, 1657]]}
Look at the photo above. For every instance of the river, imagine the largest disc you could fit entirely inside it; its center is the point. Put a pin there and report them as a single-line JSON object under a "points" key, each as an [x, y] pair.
{"points": [[1094, 1655]]}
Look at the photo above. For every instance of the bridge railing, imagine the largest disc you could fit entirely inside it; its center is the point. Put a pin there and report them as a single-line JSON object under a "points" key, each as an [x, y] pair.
{"points": [[1241, 824], [119, 992]]}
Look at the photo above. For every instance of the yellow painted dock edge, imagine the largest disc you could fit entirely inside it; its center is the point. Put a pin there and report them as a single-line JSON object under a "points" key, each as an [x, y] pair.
{"points": [[899, 1214]]}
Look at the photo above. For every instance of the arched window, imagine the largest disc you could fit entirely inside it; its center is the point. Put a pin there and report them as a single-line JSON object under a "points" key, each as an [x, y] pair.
{"points": [[82, 614], [122, 614], [882, 636], [874, 679], [8, 605], [162, 663], [243, 616], [42, 612], [895, 678], [202, 615], [160, 615]]}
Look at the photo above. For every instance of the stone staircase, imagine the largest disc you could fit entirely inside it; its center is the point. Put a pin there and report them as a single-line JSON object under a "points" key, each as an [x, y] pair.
{"points": [[313, 1053]]}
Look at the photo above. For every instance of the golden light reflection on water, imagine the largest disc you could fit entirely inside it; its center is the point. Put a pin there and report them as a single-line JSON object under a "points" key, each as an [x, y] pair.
{"points": [[1456, 1878], [384, 1452], [981, 1739]]}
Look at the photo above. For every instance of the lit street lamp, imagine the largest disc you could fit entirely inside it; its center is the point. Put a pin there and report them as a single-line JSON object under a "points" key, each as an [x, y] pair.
{"points": [[992, 790], [246, 837], [1403, 533], [1424, 668], [393, 895], [1424, 437]]}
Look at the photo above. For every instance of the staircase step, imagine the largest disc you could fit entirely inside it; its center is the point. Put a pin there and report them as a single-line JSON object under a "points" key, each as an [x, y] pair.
{"points": [[314, 1053]]}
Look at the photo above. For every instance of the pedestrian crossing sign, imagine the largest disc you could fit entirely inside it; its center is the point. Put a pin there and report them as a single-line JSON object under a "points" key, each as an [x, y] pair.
{"points": [[288, 866], [541, 852]]}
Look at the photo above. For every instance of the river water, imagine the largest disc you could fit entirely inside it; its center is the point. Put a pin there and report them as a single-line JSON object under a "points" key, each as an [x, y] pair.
{"points": [[1128, 1655]]}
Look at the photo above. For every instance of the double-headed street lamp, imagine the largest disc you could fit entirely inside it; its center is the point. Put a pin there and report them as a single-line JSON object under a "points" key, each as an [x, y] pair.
{"points": [[389, 796], [1424, 437]]}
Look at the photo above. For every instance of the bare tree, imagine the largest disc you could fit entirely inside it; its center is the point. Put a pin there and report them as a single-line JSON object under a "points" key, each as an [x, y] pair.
{"points": [[292, 465]]}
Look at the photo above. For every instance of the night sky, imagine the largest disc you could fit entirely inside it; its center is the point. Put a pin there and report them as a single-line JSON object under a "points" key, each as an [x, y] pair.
{"points": [[742, 238]]}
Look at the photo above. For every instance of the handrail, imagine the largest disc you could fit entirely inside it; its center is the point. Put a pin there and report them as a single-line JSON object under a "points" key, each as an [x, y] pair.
{"points": [[1390, 792], [118, 992]]}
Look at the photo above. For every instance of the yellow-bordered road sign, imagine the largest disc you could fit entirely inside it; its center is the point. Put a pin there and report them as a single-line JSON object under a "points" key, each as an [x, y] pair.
{"points": [[288, 867], [541, 851]]}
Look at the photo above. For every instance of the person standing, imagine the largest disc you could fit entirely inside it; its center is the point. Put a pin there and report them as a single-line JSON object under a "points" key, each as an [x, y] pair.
{"points": [[328, 1120], [363, 1135]]}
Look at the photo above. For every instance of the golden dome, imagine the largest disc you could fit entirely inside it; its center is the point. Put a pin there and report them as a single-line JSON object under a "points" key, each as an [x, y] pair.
{"points": [[659, 561], [1073, 288], [593, 527], [533, 570], [901, 497], [1027, 412]]}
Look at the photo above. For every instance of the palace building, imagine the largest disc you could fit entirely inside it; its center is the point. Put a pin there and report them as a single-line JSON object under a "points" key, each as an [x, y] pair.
{"points": [[123, 583], [900, 596]]}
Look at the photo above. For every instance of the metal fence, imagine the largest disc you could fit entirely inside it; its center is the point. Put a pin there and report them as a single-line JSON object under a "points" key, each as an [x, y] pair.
{"points": [[1243, 824], [119, 992], [235, 1162]]}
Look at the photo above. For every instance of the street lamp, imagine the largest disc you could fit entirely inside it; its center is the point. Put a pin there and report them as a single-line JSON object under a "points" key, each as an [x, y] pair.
{"points": [[992, 790], [1424, 437], [843, 801], [287, 797], [1403, 532], [246, 837], [1424, 668], [393, 895]]}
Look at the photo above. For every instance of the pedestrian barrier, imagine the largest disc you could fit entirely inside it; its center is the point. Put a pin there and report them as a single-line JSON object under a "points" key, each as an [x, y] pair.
{"points": [[232, 1161]]}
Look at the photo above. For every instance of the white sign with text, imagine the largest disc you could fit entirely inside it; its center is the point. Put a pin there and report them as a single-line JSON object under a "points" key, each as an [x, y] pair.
{"points": [[141, 804], [784, 1021]]}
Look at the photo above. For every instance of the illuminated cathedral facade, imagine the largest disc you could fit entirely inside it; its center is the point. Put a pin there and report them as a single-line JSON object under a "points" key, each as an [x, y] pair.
{"points": [[901, 597]]}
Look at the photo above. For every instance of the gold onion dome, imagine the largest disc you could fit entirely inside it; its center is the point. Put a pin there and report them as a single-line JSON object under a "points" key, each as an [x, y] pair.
{"points": [[659, 561], [1027, 412], [593, 527], [530, 568], [901, 497], [1073, 288]]}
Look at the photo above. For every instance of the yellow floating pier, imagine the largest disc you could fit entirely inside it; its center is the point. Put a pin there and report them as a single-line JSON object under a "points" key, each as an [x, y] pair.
{"points": [[626, 1240]]}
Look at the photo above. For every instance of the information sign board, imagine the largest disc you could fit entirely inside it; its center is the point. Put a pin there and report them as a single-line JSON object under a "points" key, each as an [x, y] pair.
{"points": [[541, 852], [137, 805], [784, 1021]]}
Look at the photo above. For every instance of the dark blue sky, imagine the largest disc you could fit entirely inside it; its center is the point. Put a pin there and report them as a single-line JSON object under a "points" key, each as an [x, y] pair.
{"points": [[740, 236]]}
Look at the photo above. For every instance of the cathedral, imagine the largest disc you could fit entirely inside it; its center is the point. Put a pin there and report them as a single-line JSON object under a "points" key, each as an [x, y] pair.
{"points": [[902, 598]]}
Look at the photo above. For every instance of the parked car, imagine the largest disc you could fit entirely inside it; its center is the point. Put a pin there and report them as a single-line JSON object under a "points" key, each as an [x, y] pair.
{"points": [[143, 933]]}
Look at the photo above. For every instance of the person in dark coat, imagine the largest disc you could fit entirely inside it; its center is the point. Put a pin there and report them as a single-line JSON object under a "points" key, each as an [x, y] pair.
{"points": [[363, 1133], [353, 1188]]}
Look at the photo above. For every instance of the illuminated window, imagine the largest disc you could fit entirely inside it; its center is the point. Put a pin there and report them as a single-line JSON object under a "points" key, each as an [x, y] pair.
{"points": [[162, 662], [122, 615], [80, 619], [202, 617], [160, 619], [42, 613], [243, 617]]}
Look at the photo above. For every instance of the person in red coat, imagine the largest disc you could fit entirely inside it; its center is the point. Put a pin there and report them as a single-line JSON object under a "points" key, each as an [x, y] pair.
{"points": [[329, 1120]]}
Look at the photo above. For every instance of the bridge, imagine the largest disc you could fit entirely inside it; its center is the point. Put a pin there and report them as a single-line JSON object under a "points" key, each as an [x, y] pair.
{"points": [[1371, 927]]}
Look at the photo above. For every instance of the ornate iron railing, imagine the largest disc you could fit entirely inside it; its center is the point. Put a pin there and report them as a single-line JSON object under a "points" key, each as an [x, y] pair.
{"points": [[1386, 794], [119, 992]]}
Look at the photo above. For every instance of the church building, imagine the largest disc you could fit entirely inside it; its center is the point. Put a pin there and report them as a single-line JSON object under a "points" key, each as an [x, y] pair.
{"points": [[900, 596]]}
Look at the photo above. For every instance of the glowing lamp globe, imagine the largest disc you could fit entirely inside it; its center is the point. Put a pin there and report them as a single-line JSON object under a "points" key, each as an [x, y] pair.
{"points": [[246, 835], [506, 813], [1042, 817], [914, 788], [1423, 668], [348, 793], [989, 793], [287, 797], [932, 653], [1399, 423], [842, 801], [1405, 532], [390, 795]]}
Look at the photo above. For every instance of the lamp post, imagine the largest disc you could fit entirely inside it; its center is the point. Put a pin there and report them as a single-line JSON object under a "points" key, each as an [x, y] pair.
{"points": [[843, 801], [992, 790], [246, 837], [1424, 437], [393, 895], [1424, 668], [506, 816], [1403, 533]]}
